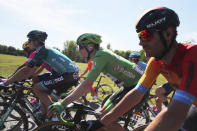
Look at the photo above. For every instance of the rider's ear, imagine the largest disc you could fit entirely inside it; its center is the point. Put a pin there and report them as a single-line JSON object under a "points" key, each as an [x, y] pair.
{"points": [[169, 34]]}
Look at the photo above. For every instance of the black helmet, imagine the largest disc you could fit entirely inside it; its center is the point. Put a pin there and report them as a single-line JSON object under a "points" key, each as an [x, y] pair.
{"points": [[37, 35], [157, 19]]}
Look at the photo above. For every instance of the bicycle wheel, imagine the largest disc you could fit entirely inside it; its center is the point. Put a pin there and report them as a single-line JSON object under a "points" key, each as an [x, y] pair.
{"points": [[103, 91], [16, 121], [55, 126]]}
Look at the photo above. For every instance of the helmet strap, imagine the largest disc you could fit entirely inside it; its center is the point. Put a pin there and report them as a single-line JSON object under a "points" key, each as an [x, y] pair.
{"points": [[167, 48], [89, 53]]}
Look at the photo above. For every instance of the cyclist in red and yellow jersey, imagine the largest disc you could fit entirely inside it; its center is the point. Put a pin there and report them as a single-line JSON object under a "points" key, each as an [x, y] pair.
{"points": [[157, 30]]}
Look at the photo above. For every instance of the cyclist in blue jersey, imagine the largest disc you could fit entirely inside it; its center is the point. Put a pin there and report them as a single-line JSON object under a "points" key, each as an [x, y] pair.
{"points": [[134, 57], [65, 70]]}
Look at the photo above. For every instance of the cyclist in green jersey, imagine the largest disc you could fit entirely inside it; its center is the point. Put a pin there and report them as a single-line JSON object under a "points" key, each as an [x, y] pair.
{"points": [[120, 70]]}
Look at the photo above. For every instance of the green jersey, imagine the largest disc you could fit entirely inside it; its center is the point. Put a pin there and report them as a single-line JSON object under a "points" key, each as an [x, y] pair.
{"points": [[118, 69]]}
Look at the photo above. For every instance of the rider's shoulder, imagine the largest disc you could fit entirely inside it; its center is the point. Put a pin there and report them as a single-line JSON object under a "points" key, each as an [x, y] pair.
{"points": [[42, 52], [152, 60], [102, 53], [42, 49], [153, 63], [187, 50]]}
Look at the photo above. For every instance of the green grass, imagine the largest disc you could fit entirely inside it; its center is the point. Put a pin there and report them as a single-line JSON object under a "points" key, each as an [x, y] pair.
{"points": [[9, 63]]}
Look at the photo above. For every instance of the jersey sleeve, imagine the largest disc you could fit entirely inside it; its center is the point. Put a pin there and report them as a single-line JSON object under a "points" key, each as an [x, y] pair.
{"points": [[90, 64], [38, 58], [27, 61], [30, 58], [188, 88], [150, 75], [99, 63], [43, 65]]}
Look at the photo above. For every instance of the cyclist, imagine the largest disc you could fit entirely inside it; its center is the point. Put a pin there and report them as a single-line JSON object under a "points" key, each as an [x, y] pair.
{"points": [[157, 30], [28, 50], [162, 93], [89, 67], [65, 75], [118, 69], [134, 57]]}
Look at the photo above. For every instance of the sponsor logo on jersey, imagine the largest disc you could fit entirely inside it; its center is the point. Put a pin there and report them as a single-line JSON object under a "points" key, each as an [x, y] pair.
{"points": [[117, 56], [115, 80], [53, 59], [122, 70], [62, 59]]}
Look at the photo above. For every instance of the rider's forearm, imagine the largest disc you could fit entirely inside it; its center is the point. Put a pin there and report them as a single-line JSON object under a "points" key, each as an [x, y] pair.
{"points": [[21, 74], [38, 71], [78, 92], [170, 119], [21, 66], [84, 73], [129, 100]]}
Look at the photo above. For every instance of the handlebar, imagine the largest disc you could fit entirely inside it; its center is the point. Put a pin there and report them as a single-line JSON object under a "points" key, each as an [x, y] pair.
{"points": [[80, 110], [66, 122], [17, 86]]}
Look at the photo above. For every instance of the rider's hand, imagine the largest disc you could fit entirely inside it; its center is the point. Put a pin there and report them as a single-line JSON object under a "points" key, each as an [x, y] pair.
{"points": [[58, 107], [2, 84], [80, 76], [91, 125], [3, 80]]}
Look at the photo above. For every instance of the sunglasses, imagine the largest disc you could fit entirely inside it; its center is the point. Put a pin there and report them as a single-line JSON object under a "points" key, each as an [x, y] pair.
{"points": [[145, 35], [81, 47]]}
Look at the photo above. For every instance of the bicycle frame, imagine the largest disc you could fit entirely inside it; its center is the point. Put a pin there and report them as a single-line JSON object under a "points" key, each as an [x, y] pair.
{"points": [[6, 115], [21, 98], [23, 102], [99, 81]]}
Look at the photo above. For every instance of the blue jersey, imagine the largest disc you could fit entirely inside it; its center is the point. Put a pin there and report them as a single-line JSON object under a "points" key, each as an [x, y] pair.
{"points": [[59, 62], [140, 67]]}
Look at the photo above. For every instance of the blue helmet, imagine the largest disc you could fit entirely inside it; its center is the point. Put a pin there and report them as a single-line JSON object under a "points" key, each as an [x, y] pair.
{"points": [[134, 55]]}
